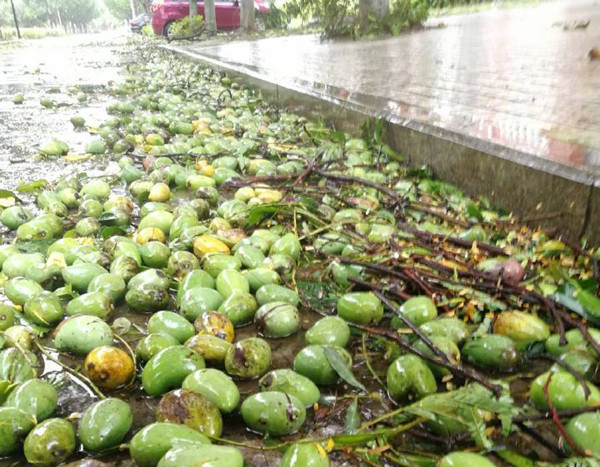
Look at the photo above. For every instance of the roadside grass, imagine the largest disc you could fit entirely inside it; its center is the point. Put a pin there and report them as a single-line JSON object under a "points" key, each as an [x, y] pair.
{"points": [[30, 33]]}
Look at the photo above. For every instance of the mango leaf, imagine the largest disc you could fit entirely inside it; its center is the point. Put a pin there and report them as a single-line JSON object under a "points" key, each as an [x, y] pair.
{"points": [[6, 388], [107, 232], [258, 213], [580, 301], [36, 246], [352, 423], [7, 194], [342, 368], [33, 187]]}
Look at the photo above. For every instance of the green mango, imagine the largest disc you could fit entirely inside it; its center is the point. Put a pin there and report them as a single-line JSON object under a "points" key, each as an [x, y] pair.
{"points": [[583, 362], [250, 256], [7, 251], [69, 197], [452, 328], [277, 319], [182, 262], [14, 426], [124, 267], [127, 248], [215, 263], [182, 222], [575, 340], [151, 344], [152, 442], [19, 336], [193, 279], [160, 219], [409, 376], [584, 431], [7, 317], [40, 228], [191, 409], [198, 300], [418, 310], [447, 346], [208, 193], [130, 173], [216, 386], [195, 181], [110, 284], [92, 303], [64, 246], [287, 245], [381, 233], [96, 146], [341, 272], [155, 254], [19, 290], [90, 208], [87, 227], [304, 455], [331, 330], [17, 265], [210, 347], [464, 459], [202, 456], [276, 293], [565, 391], [15, 216], [523, 328], [331, 243], [223, 174], [290, 382], [80, 275], [312, 362], [150, 277], [98, 189], [15, 365], [230, 281], [248, 358], [168, 368], [44, 309], [260, 276], [152, 206], [492, 351], [360, 307], [50, 442], [104, 424], [147, 298], [34, 397], [273, 413], [239, 308], [81, 334], [172, 324]]}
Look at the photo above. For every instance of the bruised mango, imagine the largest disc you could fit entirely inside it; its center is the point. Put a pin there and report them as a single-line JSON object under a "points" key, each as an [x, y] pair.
{"points": [[50, 442], [290, 382], [277, 319], [109, 367], [44, 308], [273, 413], [216, 324], [249, 358], [191, 409], [240, 308]]}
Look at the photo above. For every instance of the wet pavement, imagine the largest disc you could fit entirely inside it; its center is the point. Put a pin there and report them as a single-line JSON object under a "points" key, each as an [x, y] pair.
{"points": [[55, 68], [518, 78]]}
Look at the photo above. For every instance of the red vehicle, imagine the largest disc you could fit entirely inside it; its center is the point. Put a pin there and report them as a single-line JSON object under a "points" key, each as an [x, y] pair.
{"points": [[164, 12]]}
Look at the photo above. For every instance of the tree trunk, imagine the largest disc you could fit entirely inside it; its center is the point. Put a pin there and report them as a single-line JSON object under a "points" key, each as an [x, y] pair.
{"points": [[247, 15], [132, 7], [193, 8], [14, 12], [375, 8], [210, 16]]}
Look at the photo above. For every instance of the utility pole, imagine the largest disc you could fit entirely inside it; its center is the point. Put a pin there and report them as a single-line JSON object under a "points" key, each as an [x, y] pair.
{"points": [[14, 12], [132, 5]]}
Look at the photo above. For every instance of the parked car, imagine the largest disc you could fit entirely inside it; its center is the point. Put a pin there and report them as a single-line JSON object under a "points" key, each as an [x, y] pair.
{"points": [[165, 12], [136, 24]]}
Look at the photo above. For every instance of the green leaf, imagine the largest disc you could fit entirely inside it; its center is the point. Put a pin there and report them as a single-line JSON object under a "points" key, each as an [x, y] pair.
{"points": [[258, 213], [37, 246], [7, 194], [515, 459], [352, 423], [342, 368], [579, 301], [32, 187], [107, 232]]}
